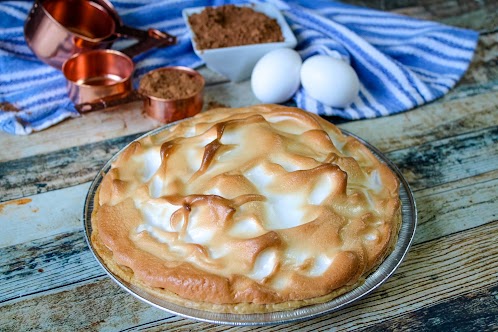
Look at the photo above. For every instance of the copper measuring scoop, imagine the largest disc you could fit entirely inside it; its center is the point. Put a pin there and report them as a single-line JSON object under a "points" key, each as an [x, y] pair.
{"points": [[56, 30]]}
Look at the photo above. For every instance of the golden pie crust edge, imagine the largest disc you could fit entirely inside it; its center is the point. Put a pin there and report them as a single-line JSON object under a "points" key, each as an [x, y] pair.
{"points": [[127, 275]]}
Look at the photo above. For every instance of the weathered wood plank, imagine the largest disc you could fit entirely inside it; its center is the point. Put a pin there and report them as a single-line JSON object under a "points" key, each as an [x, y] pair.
{"points": [[101, 305], [87, 129], [436, 266], [453, 210], [428, 123], [46, 264], [471, 206], [478, 81], [42, 215], [449, 159], [476, 15], [426, 165], [481, 75], [480, 16], [477, 311], [456, 206], [60, 169]]}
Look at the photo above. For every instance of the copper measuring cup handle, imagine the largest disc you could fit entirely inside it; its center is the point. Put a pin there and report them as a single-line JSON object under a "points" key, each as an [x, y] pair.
{"points": [[109, 101], [147, 39], [131, 32]]}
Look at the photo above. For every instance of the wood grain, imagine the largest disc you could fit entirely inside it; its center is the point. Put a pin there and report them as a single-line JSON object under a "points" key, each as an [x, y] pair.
{"points": [[471, 199], [50, 281], [426, 165], [415, 286], [477, 311], [431, 122], [456, 206], [448, 159], [42, 215], [46, 264], [476, 15], [60, 169], [120, 121], [482, 74]]}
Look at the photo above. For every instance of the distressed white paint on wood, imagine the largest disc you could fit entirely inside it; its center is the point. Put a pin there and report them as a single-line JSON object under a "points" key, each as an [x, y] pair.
{"points": [[451, 208], [42, 215], [60, 210], [428, 123], [46, 266], [454, 256], [89, 128], [449, 159], [431, 273]]}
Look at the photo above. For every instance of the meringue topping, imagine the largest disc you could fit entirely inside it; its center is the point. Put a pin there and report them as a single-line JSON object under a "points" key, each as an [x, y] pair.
{"points": [[248, 207]]}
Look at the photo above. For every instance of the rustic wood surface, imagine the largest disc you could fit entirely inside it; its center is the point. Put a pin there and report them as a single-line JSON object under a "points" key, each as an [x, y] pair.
{"points": [[447, 150]]}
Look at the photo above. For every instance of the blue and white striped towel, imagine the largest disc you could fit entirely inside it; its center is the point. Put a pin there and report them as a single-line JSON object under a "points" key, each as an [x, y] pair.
{"points": [[402, 62]]}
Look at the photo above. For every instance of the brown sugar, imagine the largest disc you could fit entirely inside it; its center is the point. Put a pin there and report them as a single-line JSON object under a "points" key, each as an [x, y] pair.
{"points": [[170, 84], [230, 25]]}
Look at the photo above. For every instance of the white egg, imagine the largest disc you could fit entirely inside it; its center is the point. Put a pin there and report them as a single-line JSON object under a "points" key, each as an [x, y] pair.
{"points": [[276, 76], [331, 81]]}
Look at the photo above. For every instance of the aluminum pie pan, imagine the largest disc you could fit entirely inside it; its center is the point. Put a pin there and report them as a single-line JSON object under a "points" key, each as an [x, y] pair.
{"points": [[372, 282]]}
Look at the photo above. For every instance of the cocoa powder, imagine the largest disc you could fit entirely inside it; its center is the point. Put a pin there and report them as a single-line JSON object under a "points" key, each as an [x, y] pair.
{"points": [[170, 84], [8, 107], [230, 25], [213, 104]]}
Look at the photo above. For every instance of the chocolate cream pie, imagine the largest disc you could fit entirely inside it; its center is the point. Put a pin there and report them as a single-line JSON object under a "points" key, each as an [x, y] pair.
{"points": [[248, 210]]}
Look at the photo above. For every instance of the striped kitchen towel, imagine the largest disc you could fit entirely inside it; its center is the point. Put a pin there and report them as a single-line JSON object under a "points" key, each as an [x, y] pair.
{"points": [[402, 62]]}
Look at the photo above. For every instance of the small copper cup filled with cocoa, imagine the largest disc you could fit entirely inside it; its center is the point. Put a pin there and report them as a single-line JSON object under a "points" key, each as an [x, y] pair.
{"points": [[168, 94], [172, 93]]}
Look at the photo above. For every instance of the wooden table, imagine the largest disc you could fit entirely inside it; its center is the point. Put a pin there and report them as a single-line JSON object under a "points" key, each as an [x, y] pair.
{"points": [[447, 151]]}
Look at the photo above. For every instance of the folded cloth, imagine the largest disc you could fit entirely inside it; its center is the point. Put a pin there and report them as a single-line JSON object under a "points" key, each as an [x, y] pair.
{"points": [[401, 62]]}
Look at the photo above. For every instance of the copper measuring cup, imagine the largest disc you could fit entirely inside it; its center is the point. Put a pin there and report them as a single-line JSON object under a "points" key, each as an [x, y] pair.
{"points": [[96, 88], [55, 30], [96, 74]]}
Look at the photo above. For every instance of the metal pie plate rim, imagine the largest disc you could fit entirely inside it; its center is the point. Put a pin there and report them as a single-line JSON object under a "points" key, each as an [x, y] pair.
{"points": [[372, 282]]}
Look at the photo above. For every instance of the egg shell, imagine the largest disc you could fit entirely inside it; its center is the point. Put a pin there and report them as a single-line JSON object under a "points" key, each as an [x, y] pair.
{"points": [[276, 76], [329, 80]]}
